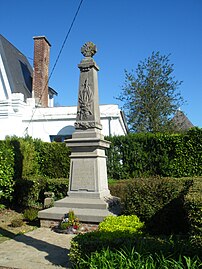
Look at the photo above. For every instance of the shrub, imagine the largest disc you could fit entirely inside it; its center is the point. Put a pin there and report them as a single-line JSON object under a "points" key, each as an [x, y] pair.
{"points": [[114, 232], [30, 192], [57, 185], [17, 223], [30, 214], [145, 196], [122, 224]]}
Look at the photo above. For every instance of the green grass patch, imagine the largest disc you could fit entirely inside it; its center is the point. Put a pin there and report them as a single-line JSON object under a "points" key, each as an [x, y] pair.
{"points": [[125, 259]]}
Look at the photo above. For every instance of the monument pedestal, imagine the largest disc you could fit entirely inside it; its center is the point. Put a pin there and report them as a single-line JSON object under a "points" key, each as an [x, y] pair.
{"points": [[88, 173], [88, 195]]}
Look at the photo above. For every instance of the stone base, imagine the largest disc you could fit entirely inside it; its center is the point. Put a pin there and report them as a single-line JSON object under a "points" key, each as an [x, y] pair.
{"points": [[86, 210]]}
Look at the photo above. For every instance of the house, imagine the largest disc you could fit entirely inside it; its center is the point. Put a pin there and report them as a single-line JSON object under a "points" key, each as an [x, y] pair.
{"points": [[27, 101]]}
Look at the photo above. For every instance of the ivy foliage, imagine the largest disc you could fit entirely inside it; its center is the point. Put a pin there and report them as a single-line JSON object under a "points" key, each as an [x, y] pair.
{"points": [[146, 154]]}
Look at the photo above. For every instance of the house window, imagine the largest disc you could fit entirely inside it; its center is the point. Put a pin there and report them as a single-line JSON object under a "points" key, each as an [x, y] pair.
{"points": [[59, 138], [65, 133]]}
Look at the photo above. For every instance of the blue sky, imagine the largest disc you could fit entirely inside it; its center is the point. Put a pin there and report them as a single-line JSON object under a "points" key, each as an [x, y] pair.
{"points": [[125, 32]]}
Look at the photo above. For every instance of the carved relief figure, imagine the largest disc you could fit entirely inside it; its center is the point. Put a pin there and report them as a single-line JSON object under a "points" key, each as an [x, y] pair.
{"points": [[85, 101]]}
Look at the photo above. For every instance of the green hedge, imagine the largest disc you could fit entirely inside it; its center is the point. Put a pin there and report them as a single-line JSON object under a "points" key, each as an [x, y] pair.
{"points": [[141, 155], [53, 159], [166, 205], [6, 171], [32, 167], [33, 157], [25, 157], [29, 192], [193, 207]]}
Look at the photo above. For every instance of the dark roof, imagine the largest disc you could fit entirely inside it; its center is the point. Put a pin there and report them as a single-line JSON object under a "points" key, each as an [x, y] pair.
{"points": [[181, 122], [52, 91], [18, 69]]}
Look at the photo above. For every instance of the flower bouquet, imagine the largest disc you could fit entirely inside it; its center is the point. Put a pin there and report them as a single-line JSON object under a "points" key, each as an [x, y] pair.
{"points": [[69, 223]]}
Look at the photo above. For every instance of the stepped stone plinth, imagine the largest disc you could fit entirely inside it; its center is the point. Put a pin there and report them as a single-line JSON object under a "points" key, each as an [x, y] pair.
{"points": [[88, 195]]}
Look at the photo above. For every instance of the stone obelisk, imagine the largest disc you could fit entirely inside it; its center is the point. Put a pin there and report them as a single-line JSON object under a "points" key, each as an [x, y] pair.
{"points": [[88, 194]]}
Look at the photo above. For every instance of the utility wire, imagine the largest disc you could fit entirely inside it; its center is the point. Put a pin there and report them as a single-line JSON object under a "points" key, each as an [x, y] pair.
{"points": [[57, 59]]}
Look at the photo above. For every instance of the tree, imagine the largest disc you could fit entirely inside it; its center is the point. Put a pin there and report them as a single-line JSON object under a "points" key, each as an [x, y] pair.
{"points": [[150, 97]]}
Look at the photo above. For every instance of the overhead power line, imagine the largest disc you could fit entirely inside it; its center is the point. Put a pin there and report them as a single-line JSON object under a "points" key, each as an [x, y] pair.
{"points": [[57, 59]]}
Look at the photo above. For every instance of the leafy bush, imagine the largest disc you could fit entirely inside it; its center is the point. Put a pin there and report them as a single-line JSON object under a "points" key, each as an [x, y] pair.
{"points": [[59, 186], [122, 224], [6, 171], [17, 223], [145, 196], [113, 232], [30, 214], [30, 192]]}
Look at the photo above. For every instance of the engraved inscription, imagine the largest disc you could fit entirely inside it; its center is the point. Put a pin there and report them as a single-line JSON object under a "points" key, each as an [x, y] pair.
{"points": [[83, 181]]}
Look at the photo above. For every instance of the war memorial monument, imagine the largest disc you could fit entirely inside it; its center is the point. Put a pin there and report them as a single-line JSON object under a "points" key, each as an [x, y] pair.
{"points": [[88, 195]]}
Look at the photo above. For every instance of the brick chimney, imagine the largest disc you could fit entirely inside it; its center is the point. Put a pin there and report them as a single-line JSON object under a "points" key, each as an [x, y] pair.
{"points": [[40, 73]]}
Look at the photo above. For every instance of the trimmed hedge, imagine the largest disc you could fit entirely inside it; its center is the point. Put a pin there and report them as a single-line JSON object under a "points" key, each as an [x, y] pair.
{"points": [[53, 159], [29, 167], [25, 157], [29, 192], [33, 157], [141, 155], [166, 205], [193, 207], [6, 171]]}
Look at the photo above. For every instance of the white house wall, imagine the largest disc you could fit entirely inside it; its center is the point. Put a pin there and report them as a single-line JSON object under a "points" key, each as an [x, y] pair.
{"points": [[20, 119], [5, 90]]}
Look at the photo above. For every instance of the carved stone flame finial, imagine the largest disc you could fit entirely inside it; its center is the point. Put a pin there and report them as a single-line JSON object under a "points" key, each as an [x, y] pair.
{"points": [[89, 49]]}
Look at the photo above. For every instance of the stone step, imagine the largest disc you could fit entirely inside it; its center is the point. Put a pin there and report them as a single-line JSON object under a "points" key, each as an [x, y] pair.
{"points": [[84, 215], [81, 203]]}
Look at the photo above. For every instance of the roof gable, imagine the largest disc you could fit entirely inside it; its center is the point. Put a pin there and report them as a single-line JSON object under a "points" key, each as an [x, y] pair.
{"points": [[18, 69], [181, 122]]}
